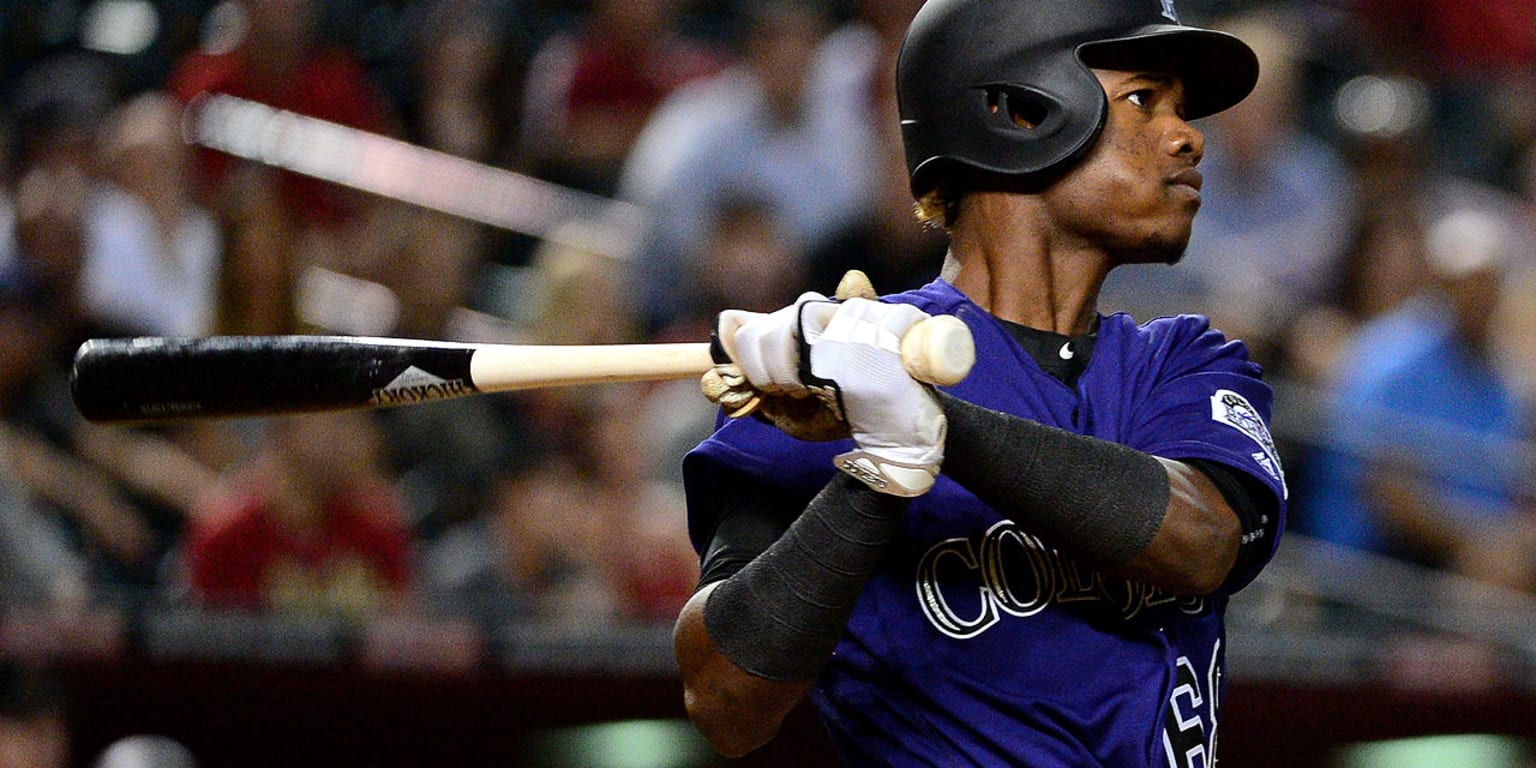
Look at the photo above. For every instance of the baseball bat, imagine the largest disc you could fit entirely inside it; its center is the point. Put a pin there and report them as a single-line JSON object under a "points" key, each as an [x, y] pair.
{"points": [[157, 379]]}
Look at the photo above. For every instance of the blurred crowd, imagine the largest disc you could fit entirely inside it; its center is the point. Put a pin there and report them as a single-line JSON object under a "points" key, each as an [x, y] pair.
{"points": [[1367, 231]]}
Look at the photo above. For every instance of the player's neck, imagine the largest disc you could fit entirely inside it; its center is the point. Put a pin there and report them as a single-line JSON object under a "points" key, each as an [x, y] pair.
{"points": [[1002, 259]]}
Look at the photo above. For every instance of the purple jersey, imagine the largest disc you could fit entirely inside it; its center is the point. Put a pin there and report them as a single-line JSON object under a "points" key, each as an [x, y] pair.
{"points": [[977, 643]]}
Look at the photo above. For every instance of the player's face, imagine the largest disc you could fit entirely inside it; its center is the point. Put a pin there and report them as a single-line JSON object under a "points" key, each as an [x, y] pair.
{"points": [[1137, 191]]}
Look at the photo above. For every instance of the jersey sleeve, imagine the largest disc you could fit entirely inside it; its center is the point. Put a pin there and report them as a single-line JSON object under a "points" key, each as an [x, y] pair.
{"points": [[1207, 400]]}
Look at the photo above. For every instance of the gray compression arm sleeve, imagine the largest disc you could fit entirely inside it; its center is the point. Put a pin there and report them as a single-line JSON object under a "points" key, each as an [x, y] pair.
{"points": [[781, 615], [1097, 501]]}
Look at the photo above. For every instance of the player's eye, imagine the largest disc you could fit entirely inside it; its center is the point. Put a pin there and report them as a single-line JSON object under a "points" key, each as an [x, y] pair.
{"points": [[1141, 98]]}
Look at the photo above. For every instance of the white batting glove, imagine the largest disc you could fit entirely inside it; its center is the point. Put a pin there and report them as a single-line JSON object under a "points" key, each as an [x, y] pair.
{"points": [[897, 423], [766, 347]]}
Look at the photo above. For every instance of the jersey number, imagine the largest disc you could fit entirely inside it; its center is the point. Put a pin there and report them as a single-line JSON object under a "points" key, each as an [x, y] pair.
{"points": [[1189, 723]]}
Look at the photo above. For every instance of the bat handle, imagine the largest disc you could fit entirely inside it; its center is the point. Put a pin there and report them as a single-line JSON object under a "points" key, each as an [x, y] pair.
{"points": [[938, 350]]}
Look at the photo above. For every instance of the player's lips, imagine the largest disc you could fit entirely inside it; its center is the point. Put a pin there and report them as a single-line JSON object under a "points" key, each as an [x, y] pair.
{"points": [[1186, 184], [1188, 177]]}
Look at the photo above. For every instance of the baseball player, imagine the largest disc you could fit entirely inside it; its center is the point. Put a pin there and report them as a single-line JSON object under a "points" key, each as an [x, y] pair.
{"points": [[1030, 567]]}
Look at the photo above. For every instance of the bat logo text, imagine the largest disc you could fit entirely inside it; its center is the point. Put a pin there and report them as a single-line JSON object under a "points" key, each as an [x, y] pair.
{"points": [[416, 386]]}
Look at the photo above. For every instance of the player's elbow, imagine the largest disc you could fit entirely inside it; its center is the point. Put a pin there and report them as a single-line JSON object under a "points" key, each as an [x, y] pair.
{"points": [[1201, 565], [1204, 578], [733, 709], [1187, 559], [731, 728], [1195, 547]]}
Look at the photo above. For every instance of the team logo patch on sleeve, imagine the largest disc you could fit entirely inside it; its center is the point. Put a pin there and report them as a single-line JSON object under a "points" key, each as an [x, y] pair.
{"points": [[1234, 410]]}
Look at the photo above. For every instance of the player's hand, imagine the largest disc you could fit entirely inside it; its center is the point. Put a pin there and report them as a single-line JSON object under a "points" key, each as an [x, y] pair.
{"points": [[848, 357], [854, 355], [801, 416], [776, 396], [767, 346]]}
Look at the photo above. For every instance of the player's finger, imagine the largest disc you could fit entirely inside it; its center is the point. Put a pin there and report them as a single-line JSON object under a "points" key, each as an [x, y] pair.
{"points": [[727, 387], [855, 285], [727, 323], [766, 347]]}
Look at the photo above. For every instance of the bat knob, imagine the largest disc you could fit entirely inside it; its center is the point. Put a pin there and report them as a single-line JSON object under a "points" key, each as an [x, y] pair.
{"points": [[939, 350]]}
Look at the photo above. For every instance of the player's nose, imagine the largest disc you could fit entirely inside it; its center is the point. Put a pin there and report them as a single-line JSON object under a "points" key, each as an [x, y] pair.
{"points": [[1184, 140]]}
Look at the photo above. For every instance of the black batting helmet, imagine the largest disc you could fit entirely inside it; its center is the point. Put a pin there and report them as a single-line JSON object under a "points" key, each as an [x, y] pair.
{"points": [[1004, 87]]}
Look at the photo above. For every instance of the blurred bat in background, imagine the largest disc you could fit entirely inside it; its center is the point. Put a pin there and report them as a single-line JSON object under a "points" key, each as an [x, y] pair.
{"points": [[402, 171]]}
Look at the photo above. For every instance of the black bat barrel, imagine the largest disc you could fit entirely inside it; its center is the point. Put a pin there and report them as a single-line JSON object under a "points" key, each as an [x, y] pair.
{"points": [[156, 379]]}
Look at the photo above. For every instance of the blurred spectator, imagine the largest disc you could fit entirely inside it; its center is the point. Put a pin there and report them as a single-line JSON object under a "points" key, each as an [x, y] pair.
{"points": [[588, 535], [59, 103], [580, 296], [570, 479], [152, 255], [1386, 129], [34, 719], [1417, 460], [39, 564], [463, 97], [1514, 352], [7, 199], [42, 322], [258, 278], [1383, 266], [278, 59], [590, 91], [643, 524], [314, 525], [746, 261], [468, 71], [886, 242], [1272, 229], [116, 496], [50, 242], [450, 454], [1478, 55], [39, 559], [529, 557], [462, 103], [278, 222], [791, 125], [120, 493]]}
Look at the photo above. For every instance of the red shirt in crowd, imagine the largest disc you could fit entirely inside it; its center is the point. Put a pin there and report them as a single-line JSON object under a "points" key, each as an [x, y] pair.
{"points": [[354, 560]]}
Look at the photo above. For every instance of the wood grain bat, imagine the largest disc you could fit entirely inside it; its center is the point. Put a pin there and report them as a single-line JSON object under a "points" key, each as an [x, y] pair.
{"points": [[157, 378]]}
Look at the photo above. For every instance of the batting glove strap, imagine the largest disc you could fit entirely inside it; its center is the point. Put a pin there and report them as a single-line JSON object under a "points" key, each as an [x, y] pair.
{"points": [[766, 347], [889, 477]]}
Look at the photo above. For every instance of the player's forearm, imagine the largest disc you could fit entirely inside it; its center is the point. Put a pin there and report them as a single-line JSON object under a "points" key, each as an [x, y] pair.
{"points": [[1113, 508], [750, 646], [781, 615]]}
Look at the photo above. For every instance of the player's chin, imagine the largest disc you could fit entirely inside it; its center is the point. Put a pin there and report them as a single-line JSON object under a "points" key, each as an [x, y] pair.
{"points": [[1162, 246]]}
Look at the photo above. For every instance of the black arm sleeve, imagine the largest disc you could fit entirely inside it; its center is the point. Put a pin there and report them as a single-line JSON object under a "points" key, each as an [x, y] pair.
{"points": [[781, 614], [1099, 501], [751, 516]]}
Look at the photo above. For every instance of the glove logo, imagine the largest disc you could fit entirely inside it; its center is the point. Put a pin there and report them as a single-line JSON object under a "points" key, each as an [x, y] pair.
{"points": [[865, 473]]}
